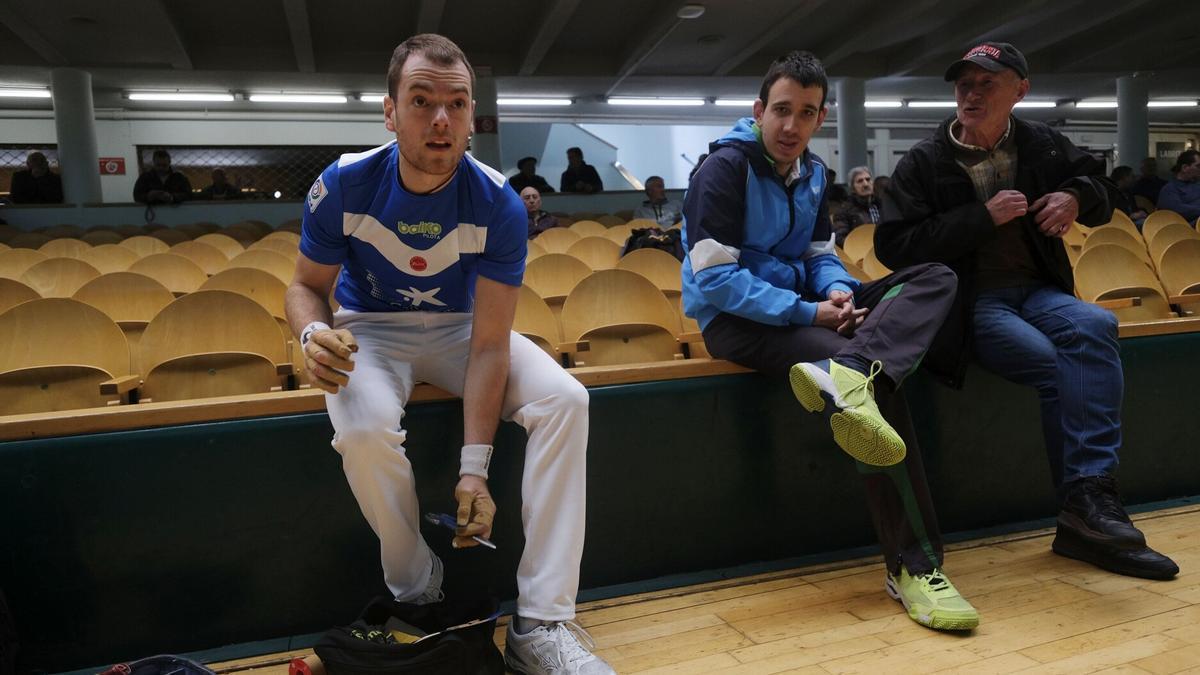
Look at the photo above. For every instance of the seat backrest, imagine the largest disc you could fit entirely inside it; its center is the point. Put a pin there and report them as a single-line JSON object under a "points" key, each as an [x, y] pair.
{"points": [[1168, 235], [1106, 267], [591, 228], [64, 248], [109, 258], [640, 224], [619, 234], [1121, 220], [273, 262], [533, 250], [597, 253], [660, 267], [873, 267], [125, 296], [33, 240], [557, 239], [144, 245], [1117, 236], [176, 272], [170, 236], [15, 261], [61, 331], [13, 293], [59, 277], [1179, 267], [208, 257], [613, 298], [283, 235], [223, 243], [555, 274], [211, 321], [285, 247], [608, 220], [63, 231], [535, 319], [1157, 220], [259, 285], [860, 240]]}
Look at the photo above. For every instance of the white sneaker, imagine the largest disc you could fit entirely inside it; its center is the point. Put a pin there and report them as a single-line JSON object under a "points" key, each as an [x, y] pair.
{"points": [[553, 649], [433, 590]]}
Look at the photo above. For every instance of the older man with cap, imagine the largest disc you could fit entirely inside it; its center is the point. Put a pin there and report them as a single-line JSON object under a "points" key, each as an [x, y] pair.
{"points": [[990, 195]]}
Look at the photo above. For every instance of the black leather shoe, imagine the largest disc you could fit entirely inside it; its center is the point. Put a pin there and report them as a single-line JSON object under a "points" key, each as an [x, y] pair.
{"points": [[1145, 562], [1092, 510]]}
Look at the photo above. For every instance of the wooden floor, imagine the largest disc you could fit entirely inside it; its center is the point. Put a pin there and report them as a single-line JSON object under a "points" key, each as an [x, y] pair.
{"points": [[1040, 613]]}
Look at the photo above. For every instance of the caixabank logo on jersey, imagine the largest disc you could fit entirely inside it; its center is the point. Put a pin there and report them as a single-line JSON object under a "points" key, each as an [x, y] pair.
{"points": [[424, 228]]}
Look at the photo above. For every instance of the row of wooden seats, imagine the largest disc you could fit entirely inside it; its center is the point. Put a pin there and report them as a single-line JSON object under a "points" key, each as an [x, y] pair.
{"points": [[246, 232]]}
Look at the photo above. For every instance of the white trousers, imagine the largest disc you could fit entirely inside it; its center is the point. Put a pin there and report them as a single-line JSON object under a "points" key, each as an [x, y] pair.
{"points": [[397, 349]]}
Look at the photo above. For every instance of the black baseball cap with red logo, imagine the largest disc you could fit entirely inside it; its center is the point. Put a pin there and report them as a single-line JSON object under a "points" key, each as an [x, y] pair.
{"points": [[993, 56]]}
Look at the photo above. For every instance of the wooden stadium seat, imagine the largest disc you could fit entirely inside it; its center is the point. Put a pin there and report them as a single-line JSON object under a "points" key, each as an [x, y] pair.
{"points": [[1166, 236], [557, 239], [852, 268], [97, 237], [582, 215], [60, 354], [212, 343], [589, 228], [192, 230], [608, 220], [289, 225], [1159, 219], [5, 247], [623, 318], [128, 231], [63, 231], [597, 253], [660, 267], [536, 321], [641, 223], [64, 248], [58, 277], [243, 233], [170, 236], [1116, 236], [33, 240], [533, 250], [270, 261], [619, 234], [553, 275], [1111, 272], [259, 285], [1121, 220], [144, 245], [624, 214], [1143, 203], [873, 268], [281, 235], [128, 298], [1179, 269], [1074, 236], [209, 258], [109, 258], [177, 273], [14, 262], [860, 240], [223, 243], [282, 246], [13, 293]]}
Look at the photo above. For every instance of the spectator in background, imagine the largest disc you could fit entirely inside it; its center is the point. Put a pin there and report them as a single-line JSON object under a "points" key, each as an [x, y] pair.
{"points": [[881, 186], [1182, 193], [579, 177], [1149, 184], [657, 207], [220, 188], [539, 220], [161, 184], [36, 184], [861, 208], [1123, 177], [836, 192], [699, 160], [527, 177]]}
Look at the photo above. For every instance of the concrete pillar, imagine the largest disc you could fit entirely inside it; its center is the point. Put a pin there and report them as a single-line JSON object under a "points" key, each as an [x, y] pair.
{"points": [[883, 152], [75, 125], [485, 144], [1133, 125], [851, 125]]}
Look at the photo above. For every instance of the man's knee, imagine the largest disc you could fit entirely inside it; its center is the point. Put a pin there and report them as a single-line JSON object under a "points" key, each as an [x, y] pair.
{"points": [[938, 274], [1095, 321], [370, 429]]}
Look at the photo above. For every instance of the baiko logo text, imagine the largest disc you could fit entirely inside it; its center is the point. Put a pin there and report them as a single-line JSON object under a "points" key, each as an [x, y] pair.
{"points": [[423, 228]]}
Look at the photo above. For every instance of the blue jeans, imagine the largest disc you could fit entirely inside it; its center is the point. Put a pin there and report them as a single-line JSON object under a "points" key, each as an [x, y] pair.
{"points": [[1067, 350]]}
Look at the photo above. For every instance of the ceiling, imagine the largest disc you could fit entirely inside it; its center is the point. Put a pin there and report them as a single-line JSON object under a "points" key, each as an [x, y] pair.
{"points": [[587, 49]]}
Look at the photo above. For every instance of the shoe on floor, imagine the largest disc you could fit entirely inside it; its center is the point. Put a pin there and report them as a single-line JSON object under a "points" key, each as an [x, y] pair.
{"points": [[1092, 509], [847, 398], [931, 600], [554, 648], [1144, 562]]}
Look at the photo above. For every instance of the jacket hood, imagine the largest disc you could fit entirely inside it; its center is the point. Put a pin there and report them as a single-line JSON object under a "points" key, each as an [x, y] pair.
{"points": [[746, 137]]}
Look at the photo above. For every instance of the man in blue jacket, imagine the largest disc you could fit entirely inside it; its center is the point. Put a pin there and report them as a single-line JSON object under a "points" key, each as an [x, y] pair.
{"points": [[762, 280]]}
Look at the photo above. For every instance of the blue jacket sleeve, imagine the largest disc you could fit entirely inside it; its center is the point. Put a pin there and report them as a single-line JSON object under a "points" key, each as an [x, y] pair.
{"points": [[714, 215], [823, 269]]}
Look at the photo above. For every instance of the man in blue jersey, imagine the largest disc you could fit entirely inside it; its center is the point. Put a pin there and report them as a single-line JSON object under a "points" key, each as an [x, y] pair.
{"points": [[763, 281], [428, 247]]}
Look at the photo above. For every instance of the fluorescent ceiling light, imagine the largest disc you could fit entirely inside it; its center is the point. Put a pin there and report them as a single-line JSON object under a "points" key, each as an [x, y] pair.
{"points": [[1096, 104], [177, 96], [656, 101], [735, 102], [1171, 104], [1037, 104], [371, 98], [932, 104], [297, 98], [24, 93], [882, 104], [534, 101]]}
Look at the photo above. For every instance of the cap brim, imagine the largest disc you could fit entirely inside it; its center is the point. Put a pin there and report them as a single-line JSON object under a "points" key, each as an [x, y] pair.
{"points": [[986, 64]]}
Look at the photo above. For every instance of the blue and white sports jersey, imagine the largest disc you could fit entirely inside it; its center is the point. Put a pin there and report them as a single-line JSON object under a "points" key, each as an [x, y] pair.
{"points": [[401, 251]]}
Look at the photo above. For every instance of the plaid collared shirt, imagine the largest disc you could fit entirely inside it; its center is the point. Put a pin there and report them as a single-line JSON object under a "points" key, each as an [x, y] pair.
{"points": [[990, 170]]}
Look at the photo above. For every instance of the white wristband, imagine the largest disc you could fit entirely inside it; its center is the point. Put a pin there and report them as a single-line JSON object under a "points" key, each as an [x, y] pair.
{"points": [[474, 460], [310, 329]]}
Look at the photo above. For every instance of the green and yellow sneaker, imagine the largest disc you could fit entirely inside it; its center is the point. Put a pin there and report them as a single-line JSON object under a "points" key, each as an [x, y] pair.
{"points": [[847, 397], [931, 600]]}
